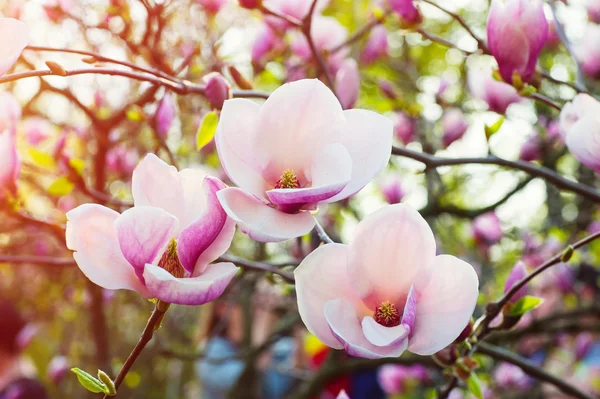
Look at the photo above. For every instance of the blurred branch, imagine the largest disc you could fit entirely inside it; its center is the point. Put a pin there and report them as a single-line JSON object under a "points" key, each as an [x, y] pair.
{"points": [[545, 100], [33, 259], [442, 41], [358, 34], [322, 233], [532, 369], [431, 161], [322, 68], [257, 266]]}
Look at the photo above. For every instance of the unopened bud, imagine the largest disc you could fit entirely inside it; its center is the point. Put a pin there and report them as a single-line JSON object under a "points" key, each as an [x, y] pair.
{"points": [[217, 89], [239, 79], [56, 68], [110, 385]]}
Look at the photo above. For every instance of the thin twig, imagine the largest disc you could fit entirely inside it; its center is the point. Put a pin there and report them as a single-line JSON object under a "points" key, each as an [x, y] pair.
{"points": [[322, 234], [545, 100], [33, 259], [258, 266], [358, 34], [318, 57]]}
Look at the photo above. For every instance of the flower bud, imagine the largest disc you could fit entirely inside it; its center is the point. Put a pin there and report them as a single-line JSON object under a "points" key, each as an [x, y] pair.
{"points": [[587, 51], [165, 115], [376, 46], [347, 83], [211, 7], [454, 126], [387, 89], [593, 10], [516, 32], [404, 128], [487, 229], [580, 124], [392, 191], [217, 89], [58, 367], [407, 10], [498, 95], [517, 274], [583, 343], [465, 333], [250, 4], [531, 149]]}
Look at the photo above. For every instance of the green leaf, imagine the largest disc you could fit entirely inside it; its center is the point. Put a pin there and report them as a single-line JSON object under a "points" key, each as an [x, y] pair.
{"points": [[475, 386], [60, 187], [41, 159], [89, 382], [111, 390], [524, 305], [206, 131], [493, 129]]}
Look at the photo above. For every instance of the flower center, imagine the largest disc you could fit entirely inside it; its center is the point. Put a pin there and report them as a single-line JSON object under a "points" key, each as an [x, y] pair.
{"points": [[170, 260], [387, 314], [288, 179]]}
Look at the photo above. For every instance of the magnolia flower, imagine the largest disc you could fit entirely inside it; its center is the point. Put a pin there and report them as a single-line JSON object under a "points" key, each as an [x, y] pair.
{"points": [[454, 126], [58, 368], [122, 160], [211, 6], [517, 274], [165, 115], [395, 378], [266, 41], [376, 46], [487, 229], [347, 83], [593, 10], [580, 125], [509, 376], [295, 151], [13, 39], [498, 95], [36, 130], [217, 89], [404, 128], [406, 10], [327, 34], [587, 51], [516, 32], [532, 148], [163, 246], [392, 190], [296, 9], [386, 291]]}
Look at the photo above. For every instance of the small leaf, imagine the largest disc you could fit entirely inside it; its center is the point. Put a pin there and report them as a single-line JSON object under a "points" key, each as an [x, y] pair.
{"points": [[42, 159], [60, 187], [475, 386], [111, 390], [135, 113], [524, 305], [567, 254], [77, 164], [493, 129], [207, 129], [89, 382]]}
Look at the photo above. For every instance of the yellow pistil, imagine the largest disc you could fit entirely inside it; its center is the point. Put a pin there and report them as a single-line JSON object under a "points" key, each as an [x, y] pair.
{"points": [[288, 179], [170, 260]]}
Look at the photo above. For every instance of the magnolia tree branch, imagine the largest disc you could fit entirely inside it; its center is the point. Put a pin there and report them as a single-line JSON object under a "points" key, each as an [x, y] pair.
{"points": [[532, 369], [431, 161], [322, 67], [361, 32], [322, 233]]}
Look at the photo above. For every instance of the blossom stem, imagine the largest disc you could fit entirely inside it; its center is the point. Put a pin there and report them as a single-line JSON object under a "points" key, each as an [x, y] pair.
{"points": [[322, 234], [152, 325], [373, 22], [545, 100], [318, 57]]}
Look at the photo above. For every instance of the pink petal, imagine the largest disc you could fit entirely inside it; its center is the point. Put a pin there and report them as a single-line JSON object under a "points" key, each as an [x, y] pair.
{"points": [[389, 248], [236, 141], [368, 138], [330, 173], [10, 163], [380, 335], [209, 236], [583, 141], [189, 291], [91, 234], [297, 120], [322, 277], [154, 183], [14, 37], [346, 328], [192, 182], [260, 221], [447, 295], [144, 233]]}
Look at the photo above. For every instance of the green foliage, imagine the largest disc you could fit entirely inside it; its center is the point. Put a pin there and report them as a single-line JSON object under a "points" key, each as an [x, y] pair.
{"points": [[207, 129], [524, 305], [474, 386], [94, 384]]}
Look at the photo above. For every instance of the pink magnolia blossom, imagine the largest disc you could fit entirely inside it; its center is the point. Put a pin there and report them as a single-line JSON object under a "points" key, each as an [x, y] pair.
{"points": [[587, 51], [10, 163], [531, 149], [211, 6], [217, 89], [14, 9], [509, 376], [516, 274], [296, 9], [593, 10], [347, 83], [404, 128], [327, 34], [295, 151], [583, 343], [454, 126], [406, 10], [265, 42], [394, 378], [392, 191], [387, 291], [56, 9], [163, 246], [165, 115], [36, 130], [486, 228], [580, 125], [594, 227], [14, 37], [376, 46], [498, 95], [122, 160], [58, 368], [516, 32]]}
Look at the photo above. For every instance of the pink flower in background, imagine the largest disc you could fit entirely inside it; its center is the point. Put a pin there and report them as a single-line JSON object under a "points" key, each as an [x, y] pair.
{"points": [[297, 9], [553, 40], [14, 9], [265, 42], [387, 291], [517, 273], [37, 130], [516, 33], [406, 9], [293, 152], [509, 376], [404, 128], [587, 51], [14, 37], [593, 10], [163, 246], [165, 115], [58, 367], [580, 124], [487, 229], [594, 227], [396, 379], [211, 6], [10, 112], [583, 343], [531, 149], [122, 160], [376, 46], [498, 95], [392, 191], [347, 83], [56, 9], [327, 34], [454, 126], [217, 89], [10, 163]]}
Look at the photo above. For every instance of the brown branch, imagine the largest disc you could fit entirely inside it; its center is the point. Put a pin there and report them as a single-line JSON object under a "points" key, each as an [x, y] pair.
{"points": [[257, 266], [318, 57]]}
